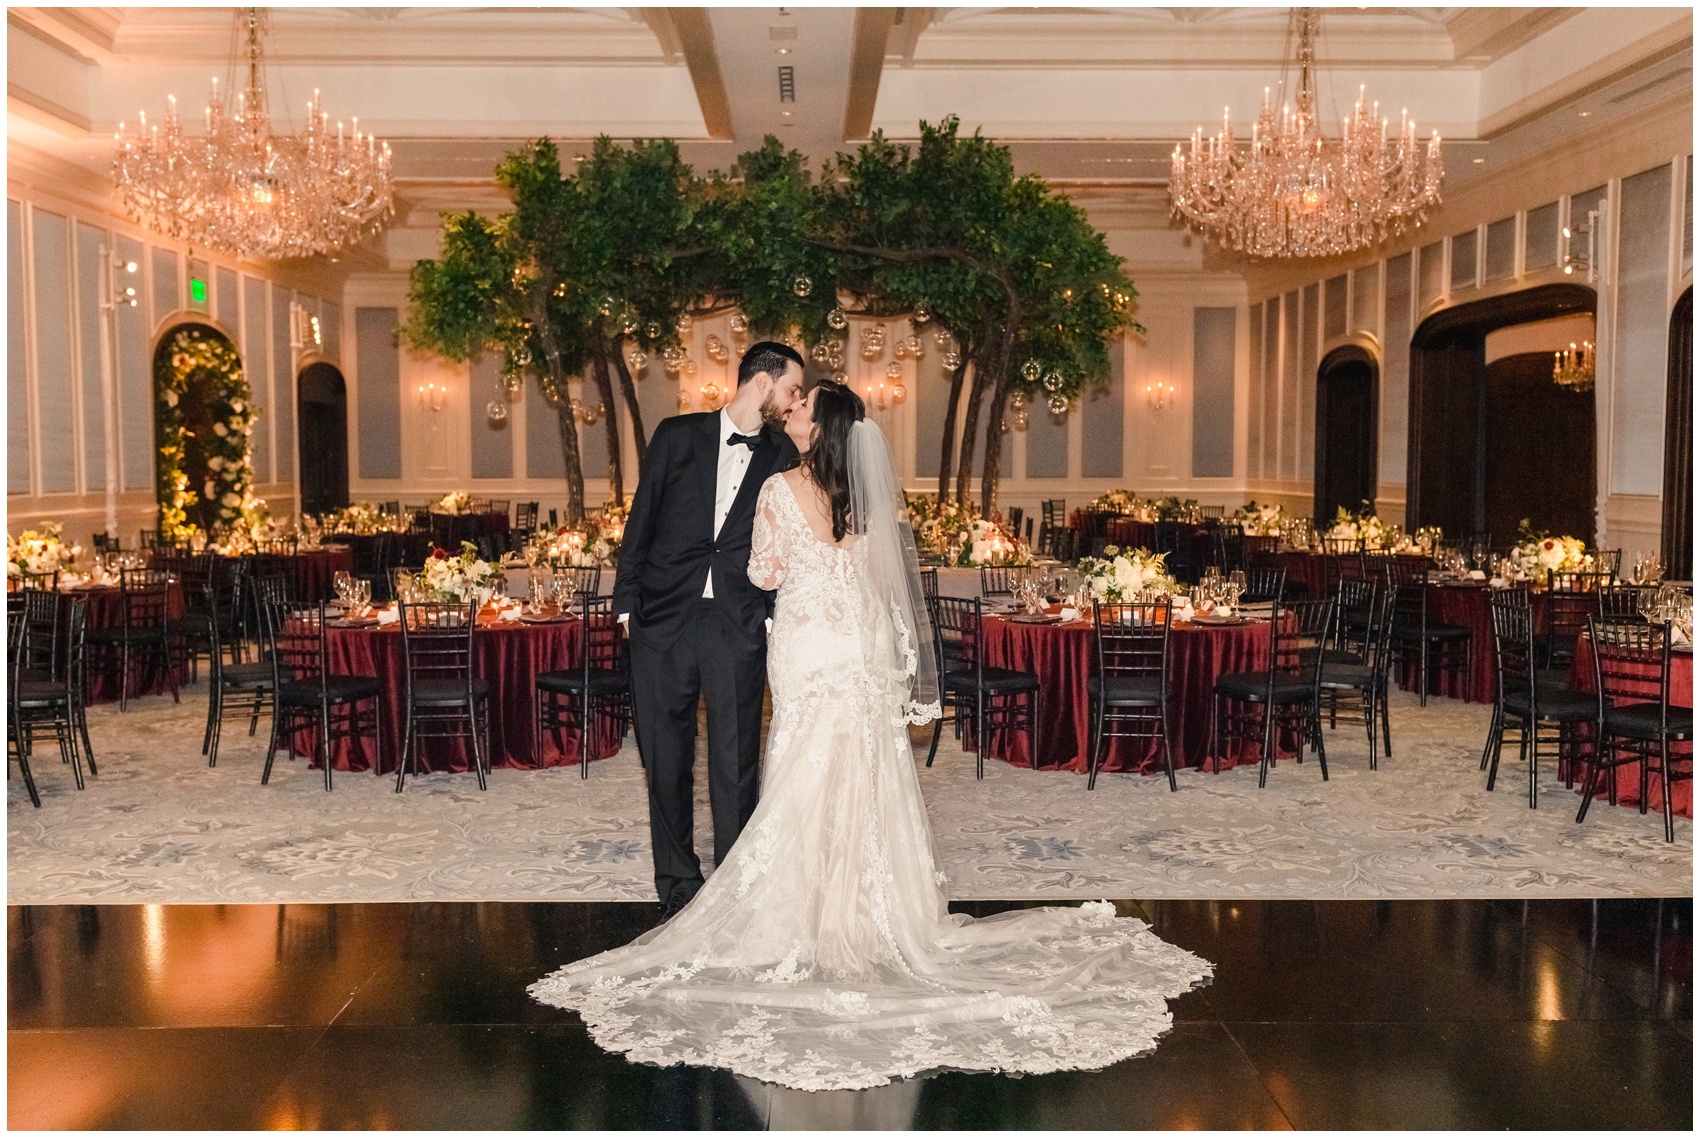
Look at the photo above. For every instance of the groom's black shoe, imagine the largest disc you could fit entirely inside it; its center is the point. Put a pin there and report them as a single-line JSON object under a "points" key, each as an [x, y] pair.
{"points": [[674, 904]]}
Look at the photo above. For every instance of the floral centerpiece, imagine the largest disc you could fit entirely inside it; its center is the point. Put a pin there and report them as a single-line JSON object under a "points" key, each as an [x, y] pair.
{"points": [[253, 527], [1362, 526], [1116, 502], [594, 541], [40, 551], [362, 518], [461, 577], [1121, 573], [456, 502], [957, 535], [1539, 552], [1260, 521]]}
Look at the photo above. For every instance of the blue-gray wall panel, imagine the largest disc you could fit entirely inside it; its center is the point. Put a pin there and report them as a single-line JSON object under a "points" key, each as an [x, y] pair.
{"points": [[1213, 334], [1308, 360], [492, 443], [1643, 328], [135, 384], [592, 438], [543, 458], [379, 378], [257, 366], [283, 384], [229, 311], [931, 395], [1254, 398], [1047, 442], [17, 358], [89, 241], [54, 369], [1101, 429], [167, 284], [1396, 374]]}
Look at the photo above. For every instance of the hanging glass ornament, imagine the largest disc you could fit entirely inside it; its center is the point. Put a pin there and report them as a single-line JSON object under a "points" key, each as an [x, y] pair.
{"points": [[630, 325], [835, 345], [894, 372], [637, 360], [684, 323], [1053, 382], [513, 382], [1018, 399], [607, 306], [1018, 418], [899, 392], [716, 348], [839, 377], [818, 353], [835, 361], [1030, 371], [652, 331], [802, 286], [740, 323], [941, 338], [922, 313], [689, 367], [711, 391], [497, 410], [684, 400], [952, 361], [913, 343], [870, 352], [837, 320], [1057, 404]]}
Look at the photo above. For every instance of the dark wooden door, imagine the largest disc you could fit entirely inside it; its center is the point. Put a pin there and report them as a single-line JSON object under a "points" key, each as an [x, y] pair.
{"points": [[1540, 450], [323, 415], [1346, 428]]}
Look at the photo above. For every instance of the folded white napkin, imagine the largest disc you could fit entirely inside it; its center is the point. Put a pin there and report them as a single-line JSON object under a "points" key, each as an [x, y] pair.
{"points": [[1477, 575], [1070, 614], [1677, 636], [389, 616], [1499, 582], [508, 614]]}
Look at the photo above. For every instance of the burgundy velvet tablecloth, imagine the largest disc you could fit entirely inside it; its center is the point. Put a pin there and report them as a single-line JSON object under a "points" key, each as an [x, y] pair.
{"points": [[106, 610], [1061, 656], [311, 572], [1466, 603], [508, 655], [468, 527], [1629, 776]]}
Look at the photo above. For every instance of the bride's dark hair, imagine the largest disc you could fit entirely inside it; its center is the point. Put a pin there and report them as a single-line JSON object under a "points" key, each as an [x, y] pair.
{"points": [[827, 463]]}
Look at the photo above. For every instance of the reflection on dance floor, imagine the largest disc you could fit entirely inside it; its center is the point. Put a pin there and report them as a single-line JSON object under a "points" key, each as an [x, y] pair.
{"points": [[1468, 1013]]}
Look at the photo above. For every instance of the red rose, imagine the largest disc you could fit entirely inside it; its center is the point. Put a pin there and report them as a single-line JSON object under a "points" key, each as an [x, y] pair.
{"points": [[1548, 543], [439, 554]]}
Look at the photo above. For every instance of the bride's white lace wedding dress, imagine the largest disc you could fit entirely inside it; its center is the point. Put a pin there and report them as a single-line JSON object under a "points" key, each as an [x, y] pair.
{"points": [[821, 955]]}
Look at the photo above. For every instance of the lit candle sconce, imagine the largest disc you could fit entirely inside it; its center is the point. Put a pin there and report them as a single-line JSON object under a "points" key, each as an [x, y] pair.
{"points": [[1158, 395], [431, 396]]}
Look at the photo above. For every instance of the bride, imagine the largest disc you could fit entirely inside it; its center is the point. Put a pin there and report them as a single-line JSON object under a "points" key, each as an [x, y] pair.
{"points": [[822, 955]]}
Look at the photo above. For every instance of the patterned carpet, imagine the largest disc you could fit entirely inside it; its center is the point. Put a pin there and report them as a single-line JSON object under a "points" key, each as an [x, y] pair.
{"points": [[159, 826]]}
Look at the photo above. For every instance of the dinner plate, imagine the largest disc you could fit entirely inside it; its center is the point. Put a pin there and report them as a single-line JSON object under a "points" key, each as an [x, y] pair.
{"points": [[348, 622], [538, 618], [1213, 618], [1036, 618]]}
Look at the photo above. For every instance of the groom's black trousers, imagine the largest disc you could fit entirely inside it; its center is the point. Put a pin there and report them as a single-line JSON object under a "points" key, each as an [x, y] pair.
{"points": [[715, 657]]}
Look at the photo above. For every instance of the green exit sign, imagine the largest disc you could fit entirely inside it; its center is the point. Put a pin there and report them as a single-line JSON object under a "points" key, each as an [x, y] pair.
{"points": [[197, 290]]}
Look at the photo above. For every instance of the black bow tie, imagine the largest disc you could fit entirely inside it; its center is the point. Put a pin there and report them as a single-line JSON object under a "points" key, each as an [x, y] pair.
{"points": [[751, 441]]}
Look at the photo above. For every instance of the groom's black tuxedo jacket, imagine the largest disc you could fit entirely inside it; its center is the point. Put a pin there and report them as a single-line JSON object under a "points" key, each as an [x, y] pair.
{"points": [[669, 542]]}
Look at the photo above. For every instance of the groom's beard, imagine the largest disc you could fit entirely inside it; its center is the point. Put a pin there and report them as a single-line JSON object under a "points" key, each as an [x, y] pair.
{"points": [[772, 414]]}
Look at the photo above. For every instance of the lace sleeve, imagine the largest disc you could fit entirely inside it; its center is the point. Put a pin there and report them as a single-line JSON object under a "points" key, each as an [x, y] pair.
{"points": [[767, 567]]}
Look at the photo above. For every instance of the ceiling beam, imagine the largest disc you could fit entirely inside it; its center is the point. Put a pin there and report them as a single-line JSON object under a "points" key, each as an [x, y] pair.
{"points": [[867, 60], [696, 40], [1489, 33], [908, 24]]}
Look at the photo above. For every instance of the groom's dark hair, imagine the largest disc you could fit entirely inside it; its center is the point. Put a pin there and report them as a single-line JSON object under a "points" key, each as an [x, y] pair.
{"points": [[767, 355]]}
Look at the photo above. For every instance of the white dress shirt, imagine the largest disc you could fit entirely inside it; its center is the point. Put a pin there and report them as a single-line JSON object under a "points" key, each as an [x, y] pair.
{"points": [[728, 477]]}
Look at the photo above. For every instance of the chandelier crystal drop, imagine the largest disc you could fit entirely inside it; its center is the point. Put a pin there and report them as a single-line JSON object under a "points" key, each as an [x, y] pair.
{"points": [[1293, 192], [243, 189]]}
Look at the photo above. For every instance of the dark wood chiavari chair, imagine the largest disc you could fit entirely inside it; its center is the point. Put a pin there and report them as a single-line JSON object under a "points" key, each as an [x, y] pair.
{"points": [[52, 704], [593, 697], [1288, 693], [444, 697], [1524, 701], [998, 699], [1129, 685], [143, 634], [306, 695], [1634, 717], [1358, 660], [1417, 638]]}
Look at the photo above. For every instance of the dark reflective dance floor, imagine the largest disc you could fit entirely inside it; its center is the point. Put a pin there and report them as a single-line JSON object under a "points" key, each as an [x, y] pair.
{"points": [[1564, 1014]]}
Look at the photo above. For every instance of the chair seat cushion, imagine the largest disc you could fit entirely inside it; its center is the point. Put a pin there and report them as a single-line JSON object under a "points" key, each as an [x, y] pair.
{"points": [[195, 624], [1641, 721], [1435, 631], [254, 675], [999, 681], [39, 693], [1562, 704], [1307, 656], [447, 693], [571, 682], [1254, 686], [1347, 675], [339, 689], [1128, 691]]}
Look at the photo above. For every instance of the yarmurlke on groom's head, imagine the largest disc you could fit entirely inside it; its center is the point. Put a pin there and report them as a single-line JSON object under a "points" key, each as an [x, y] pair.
{"points": [[767, 355]]}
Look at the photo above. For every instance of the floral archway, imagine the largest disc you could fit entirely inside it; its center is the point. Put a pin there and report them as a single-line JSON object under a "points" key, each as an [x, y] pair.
{"points": [[203, 417]]}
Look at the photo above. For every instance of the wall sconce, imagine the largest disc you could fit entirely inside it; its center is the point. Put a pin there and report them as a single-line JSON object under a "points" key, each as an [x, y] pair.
{"points": [[1158, 395], [431, 396], [1582, 261]]}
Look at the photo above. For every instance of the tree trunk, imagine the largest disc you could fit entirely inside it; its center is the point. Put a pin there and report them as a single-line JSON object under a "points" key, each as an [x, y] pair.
{"points": [[610, 422], [971, 425], [629, 390], [562, 402], [993, 466], [947, 446]]}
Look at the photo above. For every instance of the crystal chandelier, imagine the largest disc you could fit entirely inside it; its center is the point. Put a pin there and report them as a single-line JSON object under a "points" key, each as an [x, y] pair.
{"points": [[241, 188], [1293, 193], [1574, 368]]}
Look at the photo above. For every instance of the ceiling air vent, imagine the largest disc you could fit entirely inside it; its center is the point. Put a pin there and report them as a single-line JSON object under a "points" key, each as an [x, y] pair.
{"points": [[787, 84]]}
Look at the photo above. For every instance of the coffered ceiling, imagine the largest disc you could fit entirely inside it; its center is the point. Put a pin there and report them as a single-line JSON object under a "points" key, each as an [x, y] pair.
{"points": [[1085, 95]]}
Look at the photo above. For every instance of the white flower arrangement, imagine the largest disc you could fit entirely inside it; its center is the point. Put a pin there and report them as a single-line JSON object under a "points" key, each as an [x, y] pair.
{"points": [[1363, 526], [1541, 553], [595, 541], [1117, 502], [986, 543], [1121, 573], [461, 577], [1260, 521], [362, 518], [456, 502], [40, 551]]}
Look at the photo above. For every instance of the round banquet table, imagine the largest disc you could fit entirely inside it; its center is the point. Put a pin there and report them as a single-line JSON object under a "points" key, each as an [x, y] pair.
{"points": [[1317, 572], [507, 654], [468, 527], [1629, 776], [310, 571], [1061, 656], [106, 610], [1466, 603]]}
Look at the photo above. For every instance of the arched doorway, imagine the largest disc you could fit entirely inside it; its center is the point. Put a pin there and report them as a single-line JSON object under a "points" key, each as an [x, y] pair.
{"points": [[1678, 528], [1347, 403], [323, 415], [201, 400], [1491, 446]]}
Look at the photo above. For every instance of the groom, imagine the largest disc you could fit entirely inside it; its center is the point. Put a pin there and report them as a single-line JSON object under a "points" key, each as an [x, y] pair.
{"points": [[697, 624]]}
